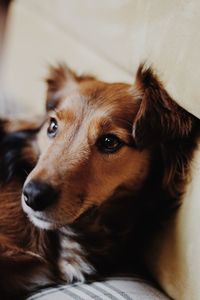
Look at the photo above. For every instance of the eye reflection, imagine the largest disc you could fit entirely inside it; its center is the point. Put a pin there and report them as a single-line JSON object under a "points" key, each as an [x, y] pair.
{"points": [[109, 143]]}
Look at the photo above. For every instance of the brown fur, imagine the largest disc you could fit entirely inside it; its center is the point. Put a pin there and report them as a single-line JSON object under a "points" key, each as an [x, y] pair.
{"points": [[108, 203]]}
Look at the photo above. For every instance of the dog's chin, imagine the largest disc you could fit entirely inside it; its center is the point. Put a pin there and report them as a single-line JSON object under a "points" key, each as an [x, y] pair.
{"points": [[42, 223], [38, 219]]}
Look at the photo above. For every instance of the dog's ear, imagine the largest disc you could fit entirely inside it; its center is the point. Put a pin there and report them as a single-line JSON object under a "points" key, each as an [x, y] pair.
{"points": [[159, 117], [60, 81]]}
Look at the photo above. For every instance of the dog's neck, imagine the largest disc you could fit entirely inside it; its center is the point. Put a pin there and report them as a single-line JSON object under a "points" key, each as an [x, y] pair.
{"points": [[109, 233]]}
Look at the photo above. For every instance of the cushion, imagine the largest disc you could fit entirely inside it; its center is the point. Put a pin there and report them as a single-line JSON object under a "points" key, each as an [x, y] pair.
{"points": [[126, 288]]}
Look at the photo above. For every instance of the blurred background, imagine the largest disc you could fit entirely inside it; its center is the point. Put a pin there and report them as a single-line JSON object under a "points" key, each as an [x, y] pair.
{"points": [[108, 38]]}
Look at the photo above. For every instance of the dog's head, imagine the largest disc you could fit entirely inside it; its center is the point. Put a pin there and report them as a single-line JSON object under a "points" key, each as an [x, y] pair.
{"points": [[96, 143]]}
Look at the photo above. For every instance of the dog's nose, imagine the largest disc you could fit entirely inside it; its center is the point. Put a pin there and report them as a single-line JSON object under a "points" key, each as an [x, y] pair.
{"points": [[39, 195]]}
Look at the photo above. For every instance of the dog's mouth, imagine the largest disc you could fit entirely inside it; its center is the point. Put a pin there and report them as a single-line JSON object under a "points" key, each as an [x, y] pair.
{"points": [[43, 222], [39, 219]]}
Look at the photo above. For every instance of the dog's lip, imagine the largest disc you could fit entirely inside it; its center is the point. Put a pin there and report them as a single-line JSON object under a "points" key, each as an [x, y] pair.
{"points": [[47, 220], [43, 219], [42, 222]]}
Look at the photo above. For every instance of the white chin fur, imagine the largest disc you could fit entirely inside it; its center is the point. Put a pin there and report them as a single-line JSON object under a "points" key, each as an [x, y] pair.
{"points": [[41, 223], [36, 220]]}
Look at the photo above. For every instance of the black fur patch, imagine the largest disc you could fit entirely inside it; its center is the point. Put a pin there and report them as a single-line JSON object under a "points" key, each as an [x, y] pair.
{"points": [[13, 163]]}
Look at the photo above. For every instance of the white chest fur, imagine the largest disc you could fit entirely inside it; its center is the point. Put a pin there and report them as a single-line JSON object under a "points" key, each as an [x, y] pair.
{"points": [[72, 262]]}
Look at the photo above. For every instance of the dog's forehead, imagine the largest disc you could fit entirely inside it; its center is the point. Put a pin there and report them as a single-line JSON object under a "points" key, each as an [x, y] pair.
{"points": [[99, 99], [100, 93]]}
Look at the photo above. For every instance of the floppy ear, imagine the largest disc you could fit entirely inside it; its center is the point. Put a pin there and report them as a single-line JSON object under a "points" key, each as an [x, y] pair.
{"points": [[159, 118], [60, 81]]}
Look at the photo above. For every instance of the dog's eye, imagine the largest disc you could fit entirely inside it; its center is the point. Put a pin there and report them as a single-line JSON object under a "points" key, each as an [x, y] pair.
{"points": [[52, 129], [109, 143]]}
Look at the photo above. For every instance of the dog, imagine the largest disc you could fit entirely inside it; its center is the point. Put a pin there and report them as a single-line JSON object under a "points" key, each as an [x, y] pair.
{"points": [[84, 191]]}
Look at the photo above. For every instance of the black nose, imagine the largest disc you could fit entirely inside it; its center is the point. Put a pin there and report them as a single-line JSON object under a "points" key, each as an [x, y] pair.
{"points": [[39, 195]]}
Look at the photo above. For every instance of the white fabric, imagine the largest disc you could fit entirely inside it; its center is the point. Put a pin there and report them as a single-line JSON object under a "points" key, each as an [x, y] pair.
{"points": [[110, 289]]}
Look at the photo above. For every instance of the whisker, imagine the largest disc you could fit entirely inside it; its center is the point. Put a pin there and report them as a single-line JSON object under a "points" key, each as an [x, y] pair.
{"points": [[26, 172]]}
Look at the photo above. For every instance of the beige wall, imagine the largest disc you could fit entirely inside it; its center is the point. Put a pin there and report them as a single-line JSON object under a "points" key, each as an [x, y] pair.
{"points": [[107, 37], [110, 38]]}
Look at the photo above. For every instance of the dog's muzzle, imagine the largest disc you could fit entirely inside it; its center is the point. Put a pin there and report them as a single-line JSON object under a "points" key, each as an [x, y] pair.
{"points": [[39, 195]]}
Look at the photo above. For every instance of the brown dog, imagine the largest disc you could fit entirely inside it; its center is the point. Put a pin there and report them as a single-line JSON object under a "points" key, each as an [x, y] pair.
{"points": [[109, 164]]}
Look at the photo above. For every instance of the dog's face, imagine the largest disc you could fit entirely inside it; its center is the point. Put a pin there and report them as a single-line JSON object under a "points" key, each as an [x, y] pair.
{"points": [[88, 148]]}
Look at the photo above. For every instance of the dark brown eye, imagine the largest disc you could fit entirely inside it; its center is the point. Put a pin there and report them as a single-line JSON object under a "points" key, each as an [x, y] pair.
{"points": [[109, 143], [53, 128]]}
